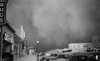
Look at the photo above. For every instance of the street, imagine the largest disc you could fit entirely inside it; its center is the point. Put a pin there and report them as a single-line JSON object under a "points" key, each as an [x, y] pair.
{"points": [[49, 30], [27, 58], [33, 58]]}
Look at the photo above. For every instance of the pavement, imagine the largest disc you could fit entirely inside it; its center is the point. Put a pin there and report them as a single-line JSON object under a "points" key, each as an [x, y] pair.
{"points": [[34, 58], [27, 58]]}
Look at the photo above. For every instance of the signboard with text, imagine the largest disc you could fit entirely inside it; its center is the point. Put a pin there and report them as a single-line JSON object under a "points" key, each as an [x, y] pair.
{"points": [[2, 11], [8, 37]]}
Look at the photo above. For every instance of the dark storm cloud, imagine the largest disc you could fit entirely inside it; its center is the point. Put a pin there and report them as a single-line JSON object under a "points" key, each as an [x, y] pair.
{"points": [[19, 13], [57, 19], [56, 22]]}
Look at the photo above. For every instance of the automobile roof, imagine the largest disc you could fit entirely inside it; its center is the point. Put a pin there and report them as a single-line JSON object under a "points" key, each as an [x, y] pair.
{"points": [[85, 54]]}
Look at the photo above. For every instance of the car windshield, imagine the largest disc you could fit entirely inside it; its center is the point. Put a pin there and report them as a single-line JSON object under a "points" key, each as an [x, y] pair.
{"points": [[66, 51]]}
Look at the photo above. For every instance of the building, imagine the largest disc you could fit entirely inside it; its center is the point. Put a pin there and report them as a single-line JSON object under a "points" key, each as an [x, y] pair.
{"points": [[25, 50], [96, 42], [20, 47], [7, 41], [8, 38], [80, 47], [17, 46]]}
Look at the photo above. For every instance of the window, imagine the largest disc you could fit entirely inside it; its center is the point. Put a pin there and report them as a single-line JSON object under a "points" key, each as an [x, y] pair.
{"points": [[78, 46], [73, 46]]}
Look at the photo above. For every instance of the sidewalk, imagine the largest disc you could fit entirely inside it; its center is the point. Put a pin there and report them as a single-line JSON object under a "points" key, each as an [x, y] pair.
{"points": [[27, 58]]}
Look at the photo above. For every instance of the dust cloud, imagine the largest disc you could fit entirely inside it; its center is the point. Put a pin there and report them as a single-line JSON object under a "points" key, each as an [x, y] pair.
{"points": [[66, 20], [55, 23]]}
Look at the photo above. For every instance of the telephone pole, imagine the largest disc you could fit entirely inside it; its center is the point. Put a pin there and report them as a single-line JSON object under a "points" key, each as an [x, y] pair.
{"points": [[37, 50]]}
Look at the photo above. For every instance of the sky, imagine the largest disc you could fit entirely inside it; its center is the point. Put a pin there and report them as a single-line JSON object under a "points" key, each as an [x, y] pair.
{"points": [[55, 23]]}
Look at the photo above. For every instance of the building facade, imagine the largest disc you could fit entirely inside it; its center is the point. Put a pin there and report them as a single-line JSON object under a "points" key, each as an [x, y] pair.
{"points": [[17, 47], [8, 38], [7, 41], [80, 47], [96, 42]]}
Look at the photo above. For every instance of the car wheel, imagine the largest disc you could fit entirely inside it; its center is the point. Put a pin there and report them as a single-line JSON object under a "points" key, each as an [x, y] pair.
{"points": [[47, 59]]}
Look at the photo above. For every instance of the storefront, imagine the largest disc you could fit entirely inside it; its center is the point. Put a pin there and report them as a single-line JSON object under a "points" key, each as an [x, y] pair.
{"points": [[17, 47], [7, 42], [8, 39], [20, 48]]}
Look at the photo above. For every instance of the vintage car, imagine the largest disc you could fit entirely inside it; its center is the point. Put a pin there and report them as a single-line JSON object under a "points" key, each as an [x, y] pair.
{"points": [[85, 57]]}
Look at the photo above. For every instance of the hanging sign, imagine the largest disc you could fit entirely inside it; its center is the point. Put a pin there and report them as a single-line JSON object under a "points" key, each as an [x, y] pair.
{"points": [[8, 37], [2, 11]]}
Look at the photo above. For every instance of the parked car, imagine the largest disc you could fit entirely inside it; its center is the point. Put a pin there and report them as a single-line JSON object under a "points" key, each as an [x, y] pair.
{"points": [[48, 57], [41, 54], [63, 57], [45, 56], [79, 58], [52, 56], [94, 57], [42, 58], [85, 57]]}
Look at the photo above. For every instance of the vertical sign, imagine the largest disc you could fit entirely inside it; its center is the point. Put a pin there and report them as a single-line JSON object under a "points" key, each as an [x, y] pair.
{"points": [[2, 21], [2, 10]]}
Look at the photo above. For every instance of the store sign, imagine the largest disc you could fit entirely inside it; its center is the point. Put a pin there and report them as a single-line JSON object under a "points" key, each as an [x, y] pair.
{"points": [[8, 37], [2, 11]]}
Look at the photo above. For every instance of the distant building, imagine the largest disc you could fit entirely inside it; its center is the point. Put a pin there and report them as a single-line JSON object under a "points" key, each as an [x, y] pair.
{"points": [[80, 47], [96, 41]]}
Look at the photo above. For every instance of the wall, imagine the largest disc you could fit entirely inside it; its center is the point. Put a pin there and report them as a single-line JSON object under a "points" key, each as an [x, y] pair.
{"points": [[96, 41], [18, 47], [80, 47], [11, 32]]}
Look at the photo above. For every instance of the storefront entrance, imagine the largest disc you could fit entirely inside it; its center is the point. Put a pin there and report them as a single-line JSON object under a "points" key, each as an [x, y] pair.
{"points": [[7, 51], [7, 46]]}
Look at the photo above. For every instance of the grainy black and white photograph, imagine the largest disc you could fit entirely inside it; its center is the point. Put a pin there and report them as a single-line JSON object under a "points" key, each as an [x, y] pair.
{"points": [[49, 30]]}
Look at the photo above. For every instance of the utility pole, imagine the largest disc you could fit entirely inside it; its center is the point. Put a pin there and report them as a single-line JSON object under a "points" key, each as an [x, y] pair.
{"points": [[26, 44], [37, 51], [3, 4]]}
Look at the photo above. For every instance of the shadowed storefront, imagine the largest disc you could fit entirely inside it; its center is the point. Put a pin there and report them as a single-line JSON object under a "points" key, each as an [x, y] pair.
{"points": [[8, 41]]}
